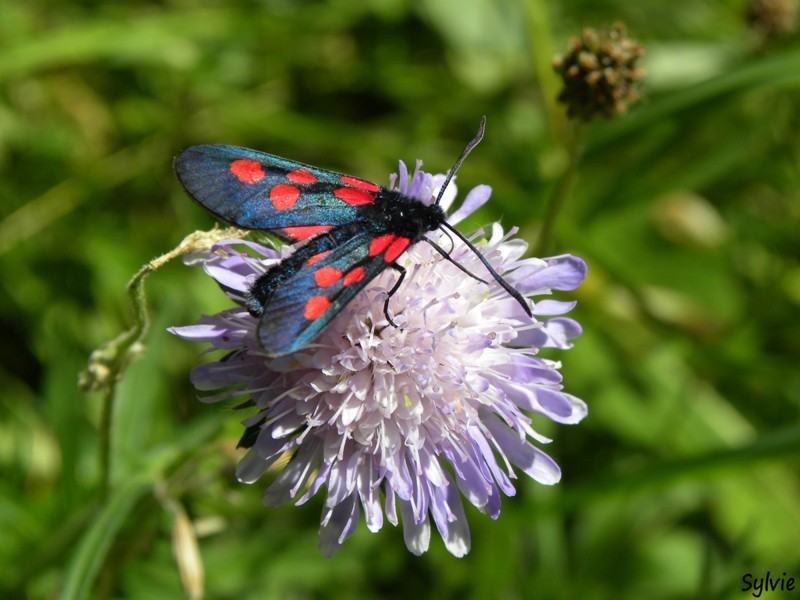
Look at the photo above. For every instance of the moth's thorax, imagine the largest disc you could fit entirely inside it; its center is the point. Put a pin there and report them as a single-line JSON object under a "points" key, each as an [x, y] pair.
{"points": [[395, 213]]}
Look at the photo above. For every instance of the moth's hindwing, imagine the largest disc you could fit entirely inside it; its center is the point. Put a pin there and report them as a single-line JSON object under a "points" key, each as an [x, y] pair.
{"points": [[304, 304]]}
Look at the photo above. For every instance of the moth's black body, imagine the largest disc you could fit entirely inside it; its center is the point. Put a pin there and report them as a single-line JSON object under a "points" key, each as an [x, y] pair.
{"points": [[392, 213]]}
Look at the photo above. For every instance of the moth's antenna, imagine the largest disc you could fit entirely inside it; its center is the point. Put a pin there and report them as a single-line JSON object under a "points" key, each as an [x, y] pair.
{"points": [[497, 277], [472, 143], [447, 227], [449, 237], [447, 256]]}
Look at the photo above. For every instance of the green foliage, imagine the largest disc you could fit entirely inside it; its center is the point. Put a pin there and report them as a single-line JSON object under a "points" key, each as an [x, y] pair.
{"points": [[683, 478]]}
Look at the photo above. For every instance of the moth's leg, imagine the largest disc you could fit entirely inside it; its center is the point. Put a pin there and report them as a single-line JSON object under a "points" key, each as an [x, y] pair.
{"points": [[394, 289]]}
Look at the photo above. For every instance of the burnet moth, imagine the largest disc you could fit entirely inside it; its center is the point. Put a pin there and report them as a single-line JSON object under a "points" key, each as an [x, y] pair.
{"points": [[348, 231]]}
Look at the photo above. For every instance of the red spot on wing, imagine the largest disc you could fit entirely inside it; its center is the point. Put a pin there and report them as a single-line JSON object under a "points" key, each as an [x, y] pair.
{"points": [[327, 276], [359, 183], [395, 249], [353, 196], [380, 244], [354, 276], [300, 176], [317, 257], [247, 171], [303, 233], [316, 307], [283, 196]]}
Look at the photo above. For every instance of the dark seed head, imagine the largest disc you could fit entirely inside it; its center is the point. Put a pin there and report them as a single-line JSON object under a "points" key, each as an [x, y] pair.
{"points": [[599, 73]]}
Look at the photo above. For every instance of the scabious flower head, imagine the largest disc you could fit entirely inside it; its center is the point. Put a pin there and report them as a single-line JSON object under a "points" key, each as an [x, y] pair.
{"points": [[599, 73], [402, 420]]}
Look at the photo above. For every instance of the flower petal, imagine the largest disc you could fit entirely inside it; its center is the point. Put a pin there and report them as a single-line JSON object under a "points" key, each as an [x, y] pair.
{"points": [[222, 330], [552, 307], [370, 497], [477, 197], [554, 333], [402, 178], [416, 535], [524, 455], [451, 522], [564, 272], [293, 476], [338, 525], [251, 467], [491, 462]]}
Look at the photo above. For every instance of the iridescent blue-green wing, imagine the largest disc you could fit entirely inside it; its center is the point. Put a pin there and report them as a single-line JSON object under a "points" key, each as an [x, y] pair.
{"points": [[255, 190], [315, 292]]}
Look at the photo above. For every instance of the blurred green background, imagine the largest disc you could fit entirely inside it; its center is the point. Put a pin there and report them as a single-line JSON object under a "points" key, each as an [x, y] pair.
{"points": [[683, 478]]}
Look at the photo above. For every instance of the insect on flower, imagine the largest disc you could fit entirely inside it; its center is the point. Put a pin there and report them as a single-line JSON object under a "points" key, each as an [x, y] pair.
{"points": [[395, 424], [351, 230]]}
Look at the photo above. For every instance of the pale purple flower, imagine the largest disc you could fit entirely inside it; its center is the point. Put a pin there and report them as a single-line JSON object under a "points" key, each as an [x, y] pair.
{"points": [[404, 419]]}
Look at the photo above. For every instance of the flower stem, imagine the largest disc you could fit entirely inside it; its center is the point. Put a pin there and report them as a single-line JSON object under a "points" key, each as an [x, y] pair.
{"points": [[108, 362], [560, 193]]}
